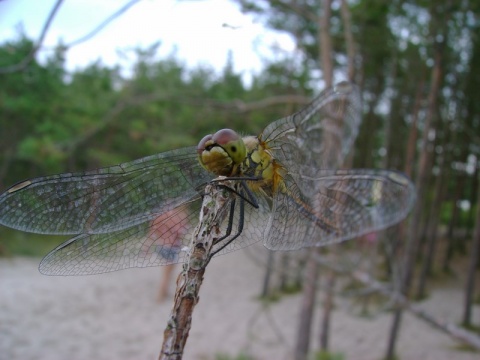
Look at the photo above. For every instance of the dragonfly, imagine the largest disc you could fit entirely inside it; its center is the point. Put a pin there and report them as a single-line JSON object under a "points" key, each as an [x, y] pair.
{"points": [[288, 192]]}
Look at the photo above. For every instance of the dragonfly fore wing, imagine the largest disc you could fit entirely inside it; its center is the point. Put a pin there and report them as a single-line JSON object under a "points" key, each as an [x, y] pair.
{"points": [[161, 241], [103, 200], [346, 204]]}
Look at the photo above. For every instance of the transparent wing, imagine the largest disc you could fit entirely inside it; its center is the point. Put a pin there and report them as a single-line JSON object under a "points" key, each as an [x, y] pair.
{"points": [[162, 241], [104, 200], [157, 242], [347, 204], [320, 135], [256, 223]]}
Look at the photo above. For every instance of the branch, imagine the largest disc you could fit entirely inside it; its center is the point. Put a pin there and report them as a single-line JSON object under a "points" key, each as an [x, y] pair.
{"points": [[102, 24], [213, 212], [400, 300], [24, 63], [236, 105]]}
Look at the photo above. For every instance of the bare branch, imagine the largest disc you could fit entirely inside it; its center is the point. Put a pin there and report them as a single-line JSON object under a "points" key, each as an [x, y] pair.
{"points": [[235, 105], [26, 61], [403, 302], [214, 210], [103, 24]]}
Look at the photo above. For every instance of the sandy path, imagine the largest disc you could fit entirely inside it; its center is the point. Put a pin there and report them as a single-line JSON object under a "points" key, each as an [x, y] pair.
{"points": [[115, 316]]}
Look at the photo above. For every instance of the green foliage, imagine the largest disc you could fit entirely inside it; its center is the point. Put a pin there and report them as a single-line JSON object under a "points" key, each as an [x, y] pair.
{"points": [[326, 355], [240, 356], [20, 243], [52, 121]]}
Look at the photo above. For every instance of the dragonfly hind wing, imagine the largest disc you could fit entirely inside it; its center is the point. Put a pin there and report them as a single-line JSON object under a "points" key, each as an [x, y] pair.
{"points": [[162, 241], [346, 204]]}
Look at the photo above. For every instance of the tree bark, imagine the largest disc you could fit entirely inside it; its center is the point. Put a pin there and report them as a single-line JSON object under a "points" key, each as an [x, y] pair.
{"points": [[327, 310], [325, 42], [311, 271], [472, 268], [431, 238], [306, 309], [458, 193], [268, 275], [411, 249], [413, 133], [349, 41]]}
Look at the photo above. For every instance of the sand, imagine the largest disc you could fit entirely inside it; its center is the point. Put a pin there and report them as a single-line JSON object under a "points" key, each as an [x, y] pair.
{"points": [[116, 316]]}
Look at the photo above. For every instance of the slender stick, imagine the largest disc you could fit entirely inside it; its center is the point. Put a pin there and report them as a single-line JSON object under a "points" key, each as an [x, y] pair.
{"points": [[214, 210]]}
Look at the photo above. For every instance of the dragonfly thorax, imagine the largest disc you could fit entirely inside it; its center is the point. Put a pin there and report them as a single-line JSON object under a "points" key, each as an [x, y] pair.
{"points": [[261, 165]]}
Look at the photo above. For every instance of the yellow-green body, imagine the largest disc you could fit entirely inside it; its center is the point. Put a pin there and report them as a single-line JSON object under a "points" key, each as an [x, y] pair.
{"points": [[225, 153]]}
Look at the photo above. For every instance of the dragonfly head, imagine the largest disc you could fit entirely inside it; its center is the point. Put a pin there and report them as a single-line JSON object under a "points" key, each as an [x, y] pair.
{"points": [[222, 152]]}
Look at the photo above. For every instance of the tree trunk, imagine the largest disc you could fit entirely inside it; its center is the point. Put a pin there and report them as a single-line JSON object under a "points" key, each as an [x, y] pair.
{"points": [[325, 42], [458, 194], [311, 271], [433, 223], [327, 310], [425, 154], [284, 271], [413, 133], [472, 268], [268, 275], [306, 310], [349, 41]]}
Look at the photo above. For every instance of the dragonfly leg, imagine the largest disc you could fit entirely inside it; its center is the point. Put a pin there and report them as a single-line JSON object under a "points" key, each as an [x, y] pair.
{"points": [[246, 194], [230, 225], [252, 199]]}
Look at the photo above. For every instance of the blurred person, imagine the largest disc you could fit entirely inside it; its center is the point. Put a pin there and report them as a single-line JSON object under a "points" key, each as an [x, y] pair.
{"points": [[167, 232]]}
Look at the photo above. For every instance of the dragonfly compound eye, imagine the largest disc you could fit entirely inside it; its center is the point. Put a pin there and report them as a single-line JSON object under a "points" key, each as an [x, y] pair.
{"points": [[204, 143], [232, 143]]}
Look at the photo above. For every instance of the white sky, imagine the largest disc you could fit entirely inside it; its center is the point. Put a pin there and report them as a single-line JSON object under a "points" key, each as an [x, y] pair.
{"points": [[194, 28]]}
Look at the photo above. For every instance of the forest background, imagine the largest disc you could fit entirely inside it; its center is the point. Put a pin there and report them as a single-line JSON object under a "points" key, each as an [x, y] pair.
{"points": [[416, 62]]}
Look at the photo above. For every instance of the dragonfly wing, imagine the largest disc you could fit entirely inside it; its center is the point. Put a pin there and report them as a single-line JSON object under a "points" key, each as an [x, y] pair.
{"points": [[346, 204], [158, 242], [256, 223], [288, 229], [104, 200], [320, 135]]}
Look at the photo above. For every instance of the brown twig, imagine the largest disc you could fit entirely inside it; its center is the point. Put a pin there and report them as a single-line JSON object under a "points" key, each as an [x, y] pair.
{"points": [[212, 214]]}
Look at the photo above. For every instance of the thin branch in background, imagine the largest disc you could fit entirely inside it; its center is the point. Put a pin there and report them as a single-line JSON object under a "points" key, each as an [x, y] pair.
{"points": [[401, 301], [103, 24], [26, 61], [139, 100]]}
